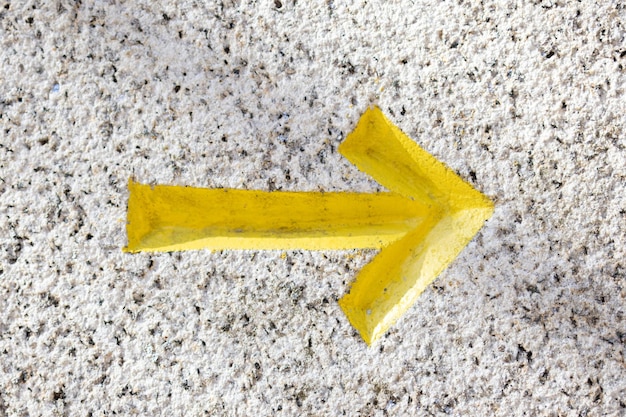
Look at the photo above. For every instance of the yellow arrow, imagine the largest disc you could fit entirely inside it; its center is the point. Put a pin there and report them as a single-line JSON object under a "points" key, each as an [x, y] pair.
{"points": [[427, 218]]}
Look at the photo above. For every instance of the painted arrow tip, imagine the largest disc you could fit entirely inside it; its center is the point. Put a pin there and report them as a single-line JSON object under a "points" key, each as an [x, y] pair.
{"points": [[389, 285]]}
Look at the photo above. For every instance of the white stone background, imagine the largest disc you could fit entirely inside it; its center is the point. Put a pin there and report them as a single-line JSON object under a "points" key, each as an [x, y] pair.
{"points": [[523, 99]]}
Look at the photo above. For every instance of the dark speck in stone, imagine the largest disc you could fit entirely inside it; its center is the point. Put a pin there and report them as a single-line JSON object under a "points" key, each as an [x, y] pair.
{"points": [[522, 354], [58, 395], [533, 289]]}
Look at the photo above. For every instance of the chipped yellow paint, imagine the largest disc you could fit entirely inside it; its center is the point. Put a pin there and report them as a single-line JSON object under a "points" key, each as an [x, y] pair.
{"points": [[427, 218]]}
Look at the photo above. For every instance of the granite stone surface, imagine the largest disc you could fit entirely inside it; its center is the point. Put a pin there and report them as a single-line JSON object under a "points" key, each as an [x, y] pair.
{"points": [[525, 100]]}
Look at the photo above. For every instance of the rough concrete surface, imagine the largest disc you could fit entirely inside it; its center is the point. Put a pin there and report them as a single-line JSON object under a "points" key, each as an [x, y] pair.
{"points": [[525, 100]]}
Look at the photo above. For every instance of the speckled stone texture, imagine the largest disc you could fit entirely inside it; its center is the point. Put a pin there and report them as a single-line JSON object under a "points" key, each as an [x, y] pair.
{"points": [[523, 99]]}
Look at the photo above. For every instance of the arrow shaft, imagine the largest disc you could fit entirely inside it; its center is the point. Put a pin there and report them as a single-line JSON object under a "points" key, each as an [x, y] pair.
{"points": [[165, 218]]}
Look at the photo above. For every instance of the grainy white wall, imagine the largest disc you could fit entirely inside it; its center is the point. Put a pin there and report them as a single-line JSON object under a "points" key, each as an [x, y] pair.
{"points": [[524, 100]]}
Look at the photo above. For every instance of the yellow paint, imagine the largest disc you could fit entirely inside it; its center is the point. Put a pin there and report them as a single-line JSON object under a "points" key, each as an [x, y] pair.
{"points": [[170, 218], [427, 218], [390, 284]]}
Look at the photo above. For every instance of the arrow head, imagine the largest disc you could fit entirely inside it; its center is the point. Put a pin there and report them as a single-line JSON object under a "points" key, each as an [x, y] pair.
{"points": [[389, 285]]}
